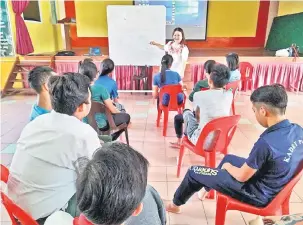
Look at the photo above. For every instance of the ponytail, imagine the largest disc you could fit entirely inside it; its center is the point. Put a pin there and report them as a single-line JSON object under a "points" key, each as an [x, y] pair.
{"points": [[166, 63]]}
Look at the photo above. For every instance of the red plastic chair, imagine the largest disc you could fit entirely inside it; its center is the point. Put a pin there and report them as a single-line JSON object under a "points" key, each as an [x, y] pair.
{"points": [[246, 70], [16, 214], [4, 173], [277, 207], [204, 89], [173, 91], [235, 87], [81, 220], [224, 129]]}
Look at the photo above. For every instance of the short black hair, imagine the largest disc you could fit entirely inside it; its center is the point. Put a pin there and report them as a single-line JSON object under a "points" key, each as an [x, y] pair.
{"points": [[209, 65], [274, 96], [107, 66], [88, 68], [68, 92], [220, 75], [232, 60], [112, 185], [39, 76]]}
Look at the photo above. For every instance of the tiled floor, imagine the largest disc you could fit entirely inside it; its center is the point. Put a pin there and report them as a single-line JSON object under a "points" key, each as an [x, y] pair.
{"points": [[148, 139]]}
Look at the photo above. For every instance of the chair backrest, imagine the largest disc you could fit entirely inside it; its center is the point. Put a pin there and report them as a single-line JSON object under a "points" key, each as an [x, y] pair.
{"points": [[172, 91], [234, 86], [98, 107], [16, 213], [223, 128], [4, 174], [81, 220], [286, 191], [204, 89], [246, 70]]}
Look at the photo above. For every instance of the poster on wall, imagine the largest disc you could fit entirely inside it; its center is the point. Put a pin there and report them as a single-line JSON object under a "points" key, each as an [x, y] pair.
{"points": [[7, 45]]}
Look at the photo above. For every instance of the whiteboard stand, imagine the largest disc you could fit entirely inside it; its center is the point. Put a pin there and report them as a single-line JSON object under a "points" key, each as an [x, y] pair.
{"points": [[142, 76]]}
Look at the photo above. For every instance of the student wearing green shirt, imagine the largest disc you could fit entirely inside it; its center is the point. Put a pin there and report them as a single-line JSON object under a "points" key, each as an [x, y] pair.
{"points": [[100, 94], [208, 67]]}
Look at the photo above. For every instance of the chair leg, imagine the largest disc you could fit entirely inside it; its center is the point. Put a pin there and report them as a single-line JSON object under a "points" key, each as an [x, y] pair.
{"points": [[285, 206], [126, 136], [159, 117], [180, 159], [221, 210], [210, 161], [233, 107], [165, 122]]}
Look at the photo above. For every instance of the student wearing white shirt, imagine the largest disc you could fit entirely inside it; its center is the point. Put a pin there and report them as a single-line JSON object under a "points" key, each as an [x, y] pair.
{"points": [[43, 175], [209, 104], [177, 49]]}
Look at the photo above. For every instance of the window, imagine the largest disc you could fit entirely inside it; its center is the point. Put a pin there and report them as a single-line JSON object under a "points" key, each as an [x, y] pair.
{"points": [[32, 11]]}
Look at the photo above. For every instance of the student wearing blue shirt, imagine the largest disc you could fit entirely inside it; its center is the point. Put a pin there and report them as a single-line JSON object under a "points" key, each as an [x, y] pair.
{"points": [[107, 67], [272, 163], [166, 77], [232, 60], [38, 79]]}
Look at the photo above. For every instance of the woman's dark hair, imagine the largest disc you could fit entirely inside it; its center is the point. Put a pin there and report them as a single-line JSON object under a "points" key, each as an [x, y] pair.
{"points": [[88, 68], [112, 185], [274, 96], [232, 60], [182, 32], [107, 66], [220, 75], [209, 65], [166, 62], [68, 92]]}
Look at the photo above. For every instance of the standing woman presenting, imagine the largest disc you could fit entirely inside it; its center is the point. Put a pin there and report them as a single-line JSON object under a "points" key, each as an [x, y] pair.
{"points": [[177, 49]]}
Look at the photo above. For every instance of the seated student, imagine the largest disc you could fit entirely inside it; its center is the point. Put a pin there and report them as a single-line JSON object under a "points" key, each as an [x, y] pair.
{"points": [[209, 104], [272, 163], [100, 94], [112, 189], [208, 67], [37, 79], [107, 67], [42, 173], [232, 60], [119, 166], [166, 77]]}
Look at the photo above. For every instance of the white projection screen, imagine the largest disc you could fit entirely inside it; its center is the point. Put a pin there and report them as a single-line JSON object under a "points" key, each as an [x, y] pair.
{"points": [[190, 15], [131, 29]]}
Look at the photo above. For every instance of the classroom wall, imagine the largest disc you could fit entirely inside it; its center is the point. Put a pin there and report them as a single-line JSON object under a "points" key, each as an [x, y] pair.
{"points": [[240, 20], [45, 36], [290, 7]]}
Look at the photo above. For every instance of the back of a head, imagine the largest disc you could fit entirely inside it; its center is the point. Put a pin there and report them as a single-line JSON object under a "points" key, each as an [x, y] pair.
{"points": [[88, 68], [232, 60], [209, 65], [220, 75], [68, 92], [107, 66], [112, 185], [273, 96], [39, 76], [166, 62]]}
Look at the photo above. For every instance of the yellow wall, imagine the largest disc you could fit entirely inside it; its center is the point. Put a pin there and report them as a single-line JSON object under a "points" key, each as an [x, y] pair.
{"points": [[225, 18], [92, 17], [45, 36], [290, 7]]}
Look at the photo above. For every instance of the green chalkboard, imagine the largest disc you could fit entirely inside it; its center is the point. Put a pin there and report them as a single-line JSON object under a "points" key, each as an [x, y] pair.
{"points": [[286, 30], [6, 39]]}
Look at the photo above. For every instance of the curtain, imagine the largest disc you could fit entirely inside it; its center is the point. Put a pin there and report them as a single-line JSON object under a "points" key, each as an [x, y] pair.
{"points": [[289, 74], [24, 44]]}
